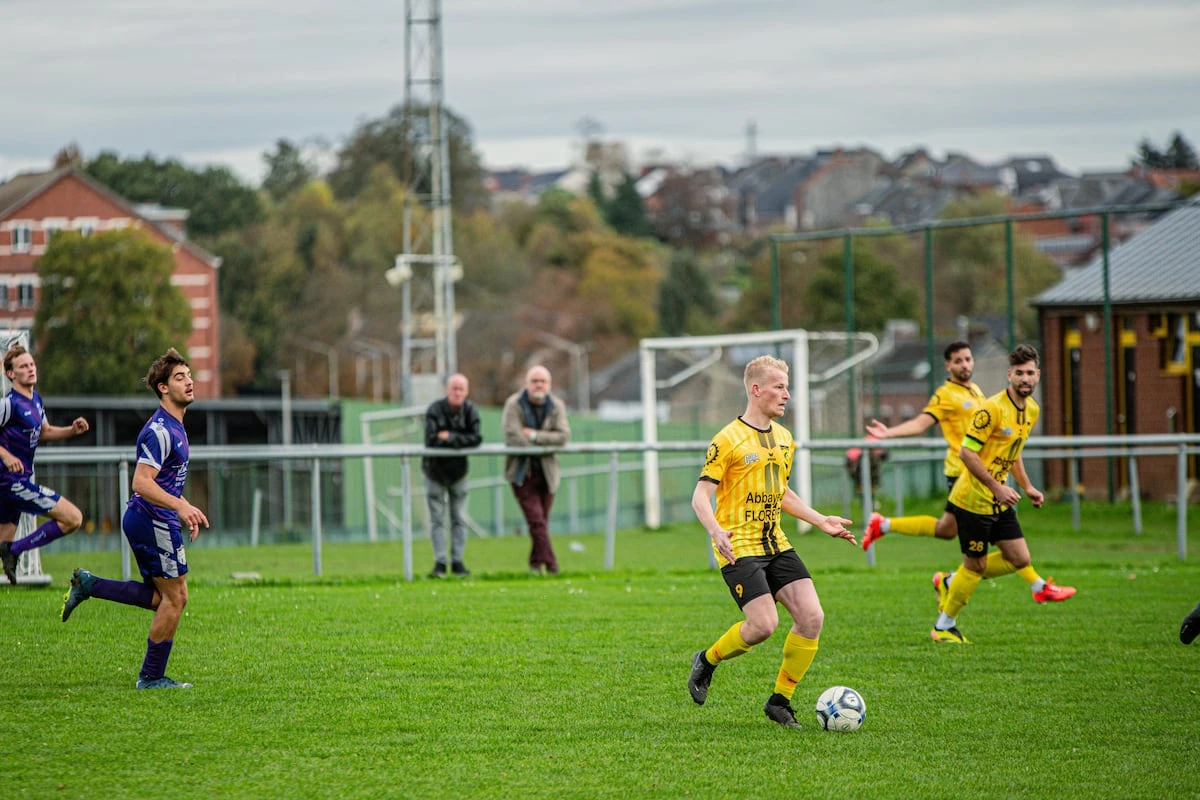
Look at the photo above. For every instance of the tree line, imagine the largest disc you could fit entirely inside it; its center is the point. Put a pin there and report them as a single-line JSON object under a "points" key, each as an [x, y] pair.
{"points": [[304, 256]]}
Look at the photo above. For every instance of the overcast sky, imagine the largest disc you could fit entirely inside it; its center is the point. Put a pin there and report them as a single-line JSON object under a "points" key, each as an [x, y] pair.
{"points": [[219, 81]]}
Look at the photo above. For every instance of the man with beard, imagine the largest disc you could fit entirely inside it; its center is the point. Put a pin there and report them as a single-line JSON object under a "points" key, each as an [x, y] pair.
{"points": [[951, 407], [533, 417], [983, 504]]}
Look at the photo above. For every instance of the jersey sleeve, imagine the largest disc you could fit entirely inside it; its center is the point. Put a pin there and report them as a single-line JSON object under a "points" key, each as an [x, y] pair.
{"points": [[154, 445], [714, 460], [983, 421], [940, 406]]}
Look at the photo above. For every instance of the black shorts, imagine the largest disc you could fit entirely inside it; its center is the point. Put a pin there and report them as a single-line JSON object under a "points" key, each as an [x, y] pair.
{"points": [[977, 531], [753, 576], [950, 487]]}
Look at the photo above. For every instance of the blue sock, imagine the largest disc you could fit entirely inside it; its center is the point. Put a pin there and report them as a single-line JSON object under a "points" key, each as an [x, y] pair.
{"points": [[44, 535], [131, 593], [155, 664]]}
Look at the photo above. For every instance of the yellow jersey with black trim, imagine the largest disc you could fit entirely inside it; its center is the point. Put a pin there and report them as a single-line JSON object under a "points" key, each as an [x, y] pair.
{"points": [[952, 406], [751, 468], [998, 432]]}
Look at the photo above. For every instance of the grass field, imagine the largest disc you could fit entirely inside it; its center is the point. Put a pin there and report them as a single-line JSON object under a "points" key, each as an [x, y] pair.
{"points": [[505, 686]]}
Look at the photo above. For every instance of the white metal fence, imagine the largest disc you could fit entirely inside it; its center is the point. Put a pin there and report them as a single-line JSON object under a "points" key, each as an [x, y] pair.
{"points": [[410, 494]]}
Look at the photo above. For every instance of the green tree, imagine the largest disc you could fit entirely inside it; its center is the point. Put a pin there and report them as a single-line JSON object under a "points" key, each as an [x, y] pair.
{"points": [[386, 141], [262, 283], [686, 302], [595, 190], [879, 293], [625, 212], [288, 170], [216, 199], [1178, 155], [107, 309]]}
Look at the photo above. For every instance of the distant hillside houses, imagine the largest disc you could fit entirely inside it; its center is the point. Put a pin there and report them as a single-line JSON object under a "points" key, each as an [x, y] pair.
{"points": [[839, 187]]}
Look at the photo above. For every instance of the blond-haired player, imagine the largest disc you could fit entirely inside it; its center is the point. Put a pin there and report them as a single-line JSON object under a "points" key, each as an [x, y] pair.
{"points": [[747, 468]]}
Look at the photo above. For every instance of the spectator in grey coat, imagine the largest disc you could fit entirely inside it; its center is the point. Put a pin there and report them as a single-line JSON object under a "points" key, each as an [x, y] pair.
{"points": [[534, 417]]}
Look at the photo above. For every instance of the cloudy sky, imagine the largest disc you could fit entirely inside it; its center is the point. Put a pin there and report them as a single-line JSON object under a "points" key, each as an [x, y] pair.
{"points": [[219, 81]]}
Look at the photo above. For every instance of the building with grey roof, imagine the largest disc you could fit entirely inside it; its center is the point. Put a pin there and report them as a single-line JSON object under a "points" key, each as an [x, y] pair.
{"points": [[1153, 289]]}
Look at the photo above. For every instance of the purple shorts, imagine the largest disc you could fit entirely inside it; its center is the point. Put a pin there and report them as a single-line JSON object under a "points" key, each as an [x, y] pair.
{"points": [[23, 496], [157, 545]]}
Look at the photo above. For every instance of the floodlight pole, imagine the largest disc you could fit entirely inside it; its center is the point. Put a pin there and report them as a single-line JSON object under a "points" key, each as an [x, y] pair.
{"points": [[427, 171]]}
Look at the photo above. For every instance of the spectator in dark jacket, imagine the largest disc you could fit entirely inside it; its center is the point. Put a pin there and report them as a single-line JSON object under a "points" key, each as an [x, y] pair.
{"points": [[450, 422]]}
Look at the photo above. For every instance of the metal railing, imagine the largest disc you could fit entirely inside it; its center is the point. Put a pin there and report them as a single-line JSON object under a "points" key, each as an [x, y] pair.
{"points": [[1070, 448]]}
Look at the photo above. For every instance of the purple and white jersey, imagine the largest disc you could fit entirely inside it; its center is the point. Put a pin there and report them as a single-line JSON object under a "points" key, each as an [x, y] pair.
{"points": [[163, 444], [21, 420]]}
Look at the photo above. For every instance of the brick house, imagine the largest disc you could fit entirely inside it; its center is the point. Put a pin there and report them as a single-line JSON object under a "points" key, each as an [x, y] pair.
{"points": [[1154, 291], [34, 205]]}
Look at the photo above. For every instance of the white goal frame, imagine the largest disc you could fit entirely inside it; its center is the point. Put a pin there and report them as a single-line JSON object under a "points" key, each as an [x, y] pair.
{"points": [[650, 384]]}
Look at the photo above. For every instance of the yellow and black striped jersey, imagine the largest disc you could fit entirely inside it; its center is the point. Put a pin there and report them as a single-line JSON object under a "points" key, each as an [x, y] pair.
{"points": [[997, 432], [750, 468], [952, 406]]}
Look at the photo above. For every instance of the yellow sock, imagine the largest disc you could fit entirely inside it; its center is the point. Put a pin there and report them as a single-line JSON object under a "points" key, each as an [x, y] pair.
{"points": [[997, 565], [730, 645], [1029, 574], [913, 526], [798, 654], [962, 586]]}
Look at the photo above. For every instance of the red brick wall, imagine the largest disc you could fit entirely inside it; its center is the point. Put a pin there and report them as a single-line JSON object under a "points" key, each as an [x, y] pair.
{"points": [[1155, 393], [71, 198]]}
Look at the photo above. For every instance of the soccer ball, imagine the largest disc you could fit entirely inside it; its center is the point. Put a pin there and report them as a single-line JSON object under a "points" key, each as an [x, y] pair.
{"points": [[840, 708]]}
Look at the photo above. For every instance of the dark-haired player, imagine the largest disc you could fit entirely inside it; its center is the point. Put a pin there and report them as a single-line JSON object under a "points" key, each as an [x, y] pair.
{"points": [[983, 504], [153, 524]]}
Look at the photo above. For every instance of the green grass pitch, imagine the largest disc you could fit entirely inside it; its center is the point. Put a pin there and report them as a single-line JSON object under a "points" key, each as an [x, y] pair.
{"points": [[358, 684]]}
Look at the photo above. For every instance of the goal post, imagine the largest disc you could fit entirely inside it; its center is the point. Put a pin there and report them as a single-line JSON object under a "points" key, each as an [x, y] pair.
{"points": [[730, 352]]}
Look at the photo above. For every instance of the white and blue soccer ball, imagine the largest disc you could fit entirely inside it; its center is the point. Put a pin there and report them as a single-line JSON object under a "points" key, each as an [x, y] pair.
{"points": [[840, 708]]}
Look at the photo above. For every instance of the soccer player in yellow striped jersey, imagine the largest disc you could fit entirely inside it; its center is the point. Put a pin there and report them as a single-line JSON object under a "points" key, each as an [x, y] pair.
{"points": [[951, 406], [747, 469], [984, 505]]}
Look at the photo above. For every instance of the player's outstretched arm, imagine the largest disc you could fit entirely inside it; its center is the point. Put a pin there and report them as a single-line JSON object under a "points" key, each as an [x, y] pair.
{"points": [[834, 526], [910, 427]]}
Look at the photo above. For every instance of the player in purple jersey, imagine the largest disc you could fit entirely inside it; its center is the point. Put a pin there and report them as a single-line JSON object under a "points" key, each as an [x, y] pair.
{"points": [[23, 425], [153, 524]]}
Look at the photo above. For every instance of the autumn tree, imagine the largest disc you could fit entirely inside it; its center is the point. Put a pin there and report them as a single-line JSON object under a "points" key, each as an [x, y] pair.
{"points": [[970, 270]]}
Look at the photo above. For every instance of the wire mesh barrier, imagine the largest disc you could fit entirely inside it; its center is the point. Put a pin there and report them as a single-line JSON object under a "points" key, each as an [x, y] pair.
{"points": [[242, 488]]}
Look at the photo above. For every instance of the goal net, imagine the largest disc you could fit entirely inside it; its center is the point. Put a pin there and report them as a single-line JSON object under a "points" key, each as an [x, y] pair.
{"points": [[692, 385], [29, 567]]}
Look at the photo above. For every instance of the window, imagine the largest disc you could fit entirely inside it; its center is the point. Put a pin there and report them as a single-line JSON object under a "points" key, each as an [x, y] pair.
{"points": [[21, 237], [3, 295], [1172, 332], [52, 225], [85, 225], [25, 295]]}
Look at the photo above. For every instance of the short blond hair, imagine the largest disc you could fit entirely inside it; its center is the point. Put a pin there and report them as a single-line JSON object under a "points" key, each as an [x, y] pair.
{"points": [[757, 368]]}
